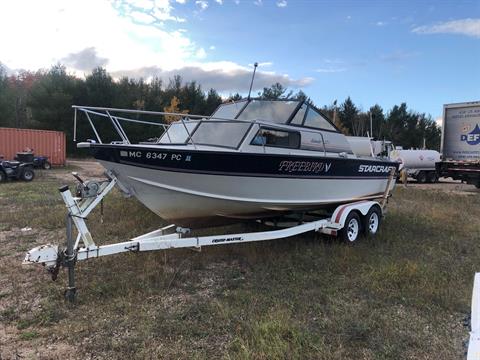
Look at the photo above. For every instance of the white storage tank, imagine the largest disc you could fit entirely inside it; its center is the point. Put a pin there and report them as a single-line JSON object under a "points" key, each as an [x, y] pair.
{"points": [[416, 159]]}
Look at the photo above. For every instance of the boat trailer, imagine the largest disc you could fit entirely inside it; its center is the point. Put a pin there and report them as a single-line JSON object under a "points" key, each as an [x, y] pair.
{"points": [[90, 194]]}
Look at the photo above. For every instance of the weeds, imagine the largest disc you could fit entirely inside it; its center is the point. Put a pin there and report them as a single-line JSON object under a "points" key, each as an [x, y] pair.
{"points": [[402, 294]]}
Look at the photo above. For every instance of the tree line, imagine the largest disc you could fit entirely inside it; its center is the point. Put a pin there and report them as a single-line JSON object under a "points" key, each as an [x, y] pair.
{"points": [[43, 100]]}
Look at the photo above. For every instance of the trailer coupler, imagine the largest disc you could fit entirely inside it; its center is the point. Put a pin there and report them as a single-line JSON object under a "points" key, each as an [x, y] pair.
{"points": [[51, 257]]}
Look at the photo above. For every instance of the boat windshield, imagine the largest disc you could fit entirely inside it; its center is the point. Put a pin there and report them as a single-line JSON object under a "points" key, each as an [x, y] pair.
{"points": [[229, 110], [177, 134], [273, 111], [220, 133]]}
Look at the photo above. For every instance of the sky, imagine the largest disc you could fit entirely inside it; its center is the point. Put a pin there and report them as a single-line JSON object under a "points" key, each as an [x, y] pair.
{"points": [[424, 53]]}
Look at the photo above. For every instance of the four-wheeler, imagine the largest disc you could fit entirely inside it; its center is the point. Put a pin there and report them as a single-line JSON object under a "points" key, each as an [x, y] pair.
{"points": [[16, 170], [42, 162], [37, 161]]}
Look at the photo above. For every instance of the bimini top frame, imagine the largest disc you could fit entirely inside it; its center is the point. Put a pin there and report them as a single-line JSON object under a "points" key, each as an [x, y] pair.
{"points": [[116, 120]]}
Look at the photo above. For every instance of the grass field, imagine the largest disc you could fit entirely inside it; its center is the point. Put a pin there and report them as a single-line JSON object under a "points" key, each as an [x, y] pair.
{"points": [[401, 295]]}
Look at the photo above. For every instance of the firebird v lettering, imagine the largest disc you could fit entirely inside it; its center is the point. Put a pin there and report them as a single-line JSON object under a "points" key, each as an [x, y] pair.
{"points": [[304, 166]]}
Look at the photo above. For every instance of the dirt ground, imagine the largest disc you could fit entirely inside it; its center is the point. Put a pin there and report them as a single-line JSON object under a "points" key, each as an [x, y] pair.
{"points": [[447, 185]]}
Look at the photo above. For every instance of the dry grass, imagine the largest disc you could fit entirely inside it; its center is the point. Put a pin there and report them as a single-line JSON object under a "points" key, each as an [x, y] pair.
{"points": [[401, 295]]}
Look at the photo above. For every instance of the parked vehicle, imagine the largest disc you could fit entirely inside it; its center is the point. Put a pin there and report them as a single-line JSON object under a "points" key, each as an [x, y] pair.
{"points": [[40, 162], [419, 164], [460, 145], [16, 170]]}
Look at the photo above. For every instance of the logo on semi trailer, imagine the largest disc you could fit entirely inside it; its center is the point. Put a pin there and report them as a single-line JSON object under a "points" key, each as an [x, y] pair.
{"points": [[473, 137]]}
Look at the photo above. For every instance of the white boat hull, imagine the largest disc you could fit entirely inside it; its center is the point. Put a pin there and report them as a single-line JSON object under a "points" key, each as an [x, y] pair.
{"points": [[195, 199]]}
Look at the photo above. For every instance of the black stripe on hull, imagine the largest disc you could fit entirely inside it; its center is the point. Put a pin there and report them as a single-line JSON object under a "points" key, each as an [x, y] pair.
{"points": [[244, 164]]}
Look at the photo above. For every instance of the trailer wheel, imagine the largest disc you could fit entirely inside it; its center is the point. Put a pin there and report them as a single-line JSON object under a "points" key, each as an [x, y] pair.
{"points": [[352, 228], [422, 177], [3, 176], [371, 221], [432, 177]]}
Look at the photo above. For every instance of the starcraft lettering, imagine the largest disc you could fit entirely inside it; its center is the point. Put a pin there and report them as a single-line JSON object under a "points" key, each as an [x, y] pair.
{"points": [[374, 168]]}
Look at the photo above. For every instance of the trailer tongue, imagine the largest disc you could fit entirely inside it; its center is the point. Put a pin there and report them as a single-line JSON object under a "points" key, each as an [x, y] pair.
{"points": [[347, 221]]}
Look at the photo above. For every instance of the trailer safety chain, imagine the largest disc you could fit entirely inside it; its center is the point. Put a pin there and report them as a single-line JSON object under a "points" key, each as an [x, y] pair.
{"points": [[53, 270]]}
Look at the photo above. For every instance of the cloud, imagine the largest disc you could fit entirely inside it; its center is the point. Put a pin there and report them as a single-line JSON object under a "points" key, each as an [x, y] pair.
{"points": [[181, 1], [201, 53], [147, 11], [114, 40], [225, 77], [212, 47], [203, 4], [282, 3], [258, 2], [330, 66], [220, 2], [86, 59], [110, 31], [381, 23], [398, 56], [333, 61], [468, 27], [330, 70], [261, 64], [439, 121]]}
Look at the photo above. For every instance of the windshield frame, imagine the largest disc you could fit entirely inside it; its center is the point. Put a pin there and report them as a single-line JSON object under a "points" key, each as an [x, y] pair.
{"points": [[321, 113], [240, 143], [183, 125], [285, 122], [243, 105]]}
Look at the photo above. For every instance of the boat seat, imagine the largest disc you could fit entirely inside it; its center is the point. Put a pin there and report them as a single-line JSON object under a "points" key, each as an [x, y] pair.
{"points": [[10, 163]]}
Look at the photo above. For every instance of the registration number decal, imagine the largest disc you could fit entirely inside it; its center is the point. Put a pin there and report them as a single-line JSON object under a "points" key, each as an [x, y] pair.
{"points": [[153, 155]]}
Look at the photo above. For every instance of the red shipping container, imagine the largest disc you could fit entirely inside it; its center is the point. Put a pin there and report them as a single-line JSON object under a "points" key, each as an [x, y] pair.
{"points": [[43, 142]]}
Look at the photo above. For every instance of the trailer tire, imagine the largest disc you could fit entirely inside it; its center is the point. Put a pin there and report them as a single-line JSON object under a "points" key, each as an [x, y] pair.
{"points": [[422, 177], [432, 177], [371, 221], [352, 228], [3, 176]]}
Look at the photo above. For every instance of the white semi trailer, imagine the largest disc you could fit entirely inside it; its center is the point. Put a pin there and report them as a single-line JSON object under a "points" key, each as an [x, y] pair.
{"points": [[460, 145]]}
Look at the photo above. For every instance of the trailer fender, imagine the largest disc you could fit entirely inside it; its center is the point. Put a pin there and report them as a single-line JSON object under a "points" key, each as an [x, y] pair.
{"points": [[340, 214]]}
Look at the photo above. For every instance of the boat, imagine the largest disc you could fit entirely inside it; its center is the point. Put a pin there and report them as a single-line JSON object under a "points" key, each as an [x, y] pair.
{"points": [[251, 159]]}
